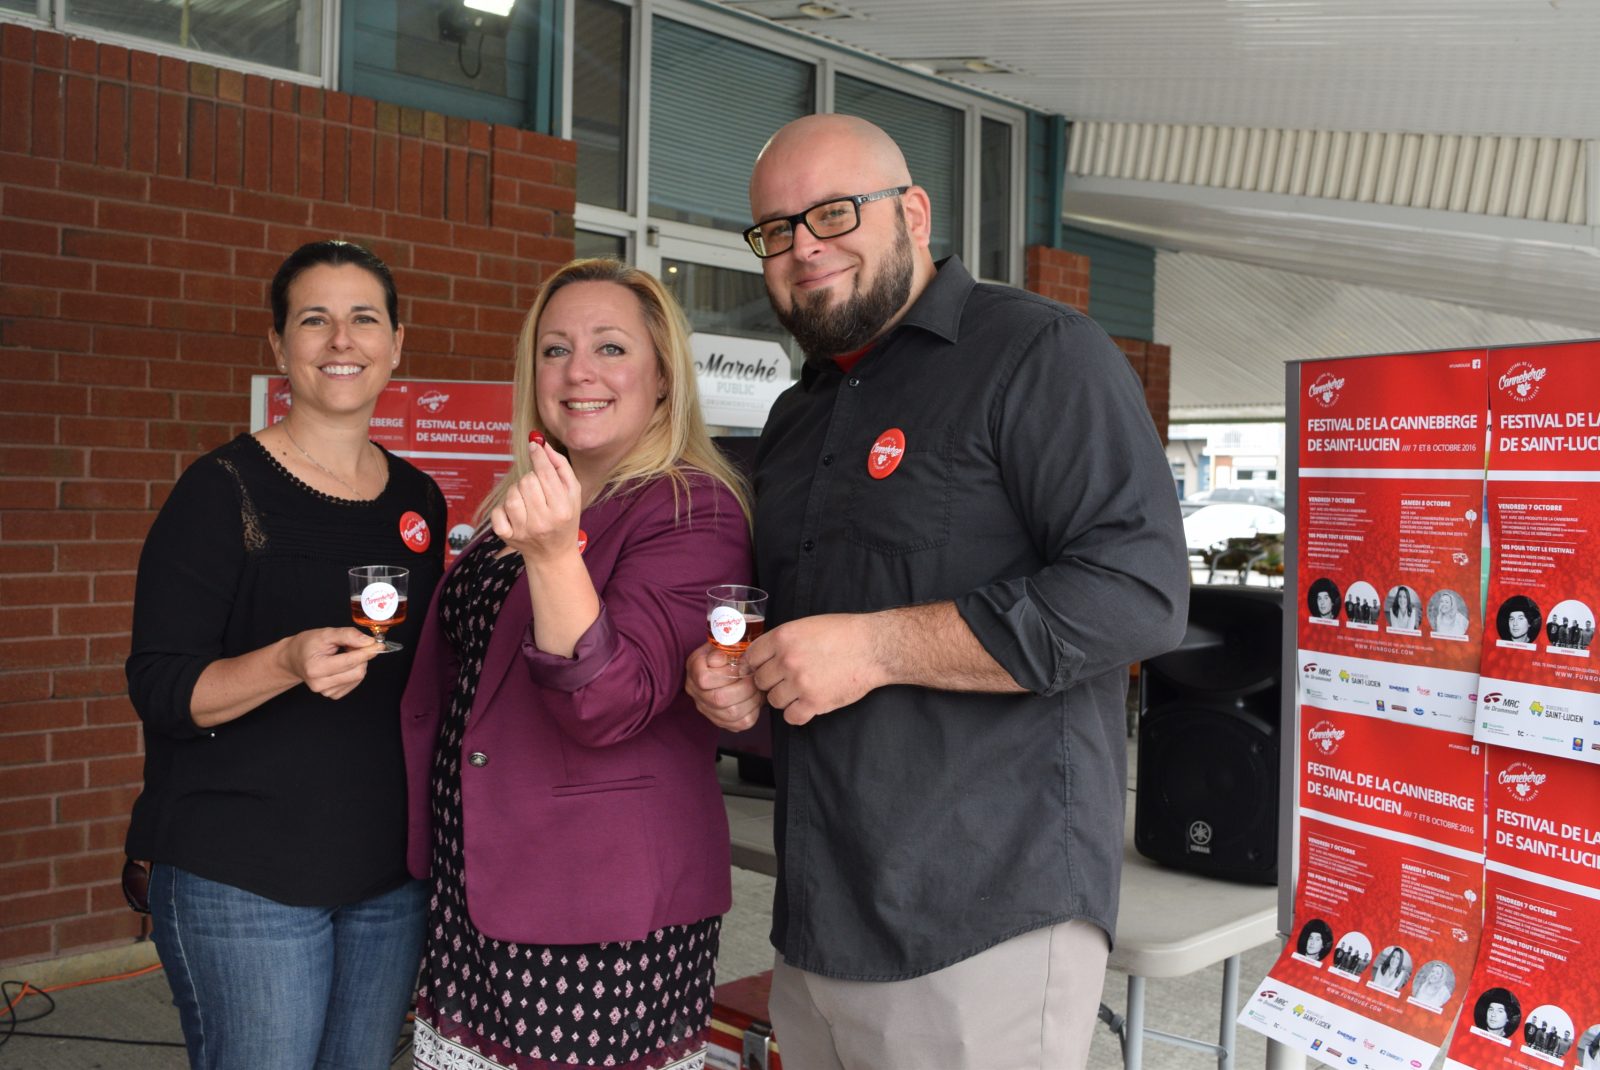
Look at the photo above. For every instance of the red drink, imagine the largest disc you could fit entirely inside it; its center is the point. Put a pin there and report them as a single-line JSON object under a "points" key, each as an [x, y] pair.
{"points": [[753, 627], [376, 626]]}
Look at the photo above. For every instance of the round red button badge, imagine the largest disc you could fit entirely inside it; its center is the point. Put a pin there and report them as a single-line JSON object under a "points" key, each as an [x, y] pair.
{"points": [[884, 457], [414, 530], [583, 541]]}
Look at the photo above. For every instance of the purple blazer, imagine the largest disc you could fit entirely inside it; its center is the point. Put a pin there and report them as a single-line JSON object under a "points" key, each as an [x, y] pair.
{"points": [[590, 805]]}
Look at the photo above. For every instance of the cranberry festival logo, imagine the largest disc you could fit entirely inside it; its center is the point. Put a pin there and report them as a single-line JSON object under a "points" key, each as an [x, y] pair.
{"points": [[433, 400], [1325, 737], [1325, 390], [1521, 381], [1522, 781]]}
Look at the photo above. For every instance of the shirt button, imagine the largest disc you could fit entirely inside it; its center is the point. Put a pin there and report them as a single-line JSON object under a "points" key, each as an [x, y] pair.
{"points": [[852, 381], [808, 546], [478, 758], [827, 460]]}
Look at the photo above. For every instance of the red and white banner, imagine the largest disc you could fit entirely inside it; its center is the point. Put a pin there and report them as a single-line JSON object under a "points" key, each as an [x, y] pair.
{"points": [[1391, 455], [1541, 669], [1387, 911], [1533, 1000], [457, 432]]}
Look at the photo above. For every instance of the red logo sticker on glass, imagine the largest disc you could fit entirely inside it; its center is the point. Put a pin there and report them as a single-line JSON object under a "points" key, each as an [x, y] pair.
{"points": [[414, 530], [583, 540], [884, 457]]}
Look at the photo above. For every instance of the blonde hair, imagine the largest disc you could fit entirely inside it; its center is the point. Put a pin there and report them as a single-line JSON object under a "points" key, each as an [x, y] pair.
{"points": [[675, 440]]}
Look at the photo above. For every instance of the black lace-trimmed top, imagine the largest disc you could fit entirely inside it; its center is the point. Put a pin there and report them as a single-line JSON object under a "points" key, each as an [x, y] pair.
{"points": [[303, 798]]}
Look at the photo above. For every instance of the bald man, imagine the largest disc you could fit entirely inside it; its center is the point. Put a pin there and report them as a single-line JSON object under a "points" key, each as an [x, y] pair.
{"points": [[967, 526]]}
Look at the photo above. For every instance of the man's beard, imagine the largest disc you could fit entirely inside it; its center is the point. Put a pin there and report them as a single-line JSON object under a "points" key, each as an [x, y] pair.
{"points": [[825, 331]]}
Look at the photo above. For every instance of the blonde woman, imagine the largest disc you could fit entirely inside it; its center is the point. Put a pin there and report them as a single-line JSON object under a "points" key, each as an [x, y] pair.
{"points": [[564, 805]]}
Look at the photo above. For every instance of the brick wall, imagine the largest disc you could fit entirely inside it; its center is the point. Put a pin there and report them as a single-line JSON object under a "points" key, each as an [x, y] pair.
{"points": [[1063, 276], [144, 205]]}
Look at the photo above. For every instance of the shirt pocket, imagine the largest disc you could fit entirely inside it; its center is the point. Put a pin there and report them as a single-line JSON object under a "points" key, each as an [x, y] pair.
{"points": [[909, 509]]}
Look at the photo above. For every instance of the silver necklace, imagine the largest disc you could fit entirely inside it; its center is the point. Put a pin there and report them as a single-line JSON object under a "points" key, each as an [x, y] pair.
{"points": [[330, 473]]}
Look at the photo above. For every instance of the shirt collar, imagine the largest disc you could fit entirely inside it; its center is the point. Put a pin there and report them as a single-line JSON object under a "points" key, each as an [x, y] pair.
{"points": [[936, 310]]}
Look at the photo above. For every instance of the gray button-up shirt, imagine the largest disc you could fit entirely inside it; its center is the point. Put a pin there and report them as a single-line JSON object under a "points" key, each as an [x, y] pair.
{"points": [[917, 827]]}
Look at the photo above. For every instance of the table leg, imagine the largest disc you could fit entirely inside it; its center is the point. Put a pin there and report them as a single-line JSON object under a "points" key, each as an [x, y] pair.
{"points": [[1133, 1045], [1228, 1030]]}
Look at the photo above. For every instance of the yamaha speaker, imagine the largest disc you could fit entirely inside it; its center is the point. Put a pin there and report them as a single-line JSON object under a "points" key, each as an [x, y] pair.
{"points": [[1209, 732]]}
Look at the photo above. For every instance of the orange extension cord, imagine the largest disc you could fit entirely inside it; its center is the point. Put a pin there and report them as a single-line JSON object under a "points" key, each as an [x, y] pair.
{"points": [[27, 988]]}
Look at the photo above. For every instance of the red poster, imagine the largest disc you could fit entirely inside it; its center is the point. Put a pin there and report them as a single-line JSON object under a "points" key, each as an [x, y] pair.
{"points": [[1390, 534], [457, 432], [1387, 908], [1541, 681], [1533, 1000]]}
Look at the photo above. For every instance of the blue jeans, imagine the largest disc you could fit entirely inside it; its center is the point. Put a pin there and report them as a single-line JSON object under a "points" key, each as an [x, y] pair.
{"points": [[264, 986]]}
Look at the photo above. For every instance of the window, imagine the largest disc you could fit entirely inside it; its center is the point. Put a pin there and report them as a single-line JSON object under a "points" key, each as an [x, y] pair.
{"points": [[930, 135], [714, 102], [600, 94], [273, 33], [587, 243], [994, 203]]}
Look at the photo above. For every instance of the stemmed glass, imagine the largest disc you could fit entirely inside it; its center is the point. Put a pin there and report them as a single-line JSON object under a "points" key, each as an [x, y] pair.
{"points": [[736, 615], [378, 600]]}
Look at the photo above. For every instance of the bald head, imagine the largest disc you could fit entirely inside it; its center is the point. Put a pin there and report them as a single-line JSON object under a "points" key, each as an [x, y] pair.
{"points": [[860, 155]]}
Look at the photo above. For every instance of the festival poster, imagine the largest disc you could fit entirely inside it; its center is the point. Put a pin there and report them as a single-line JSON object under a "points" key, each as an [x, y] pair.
{"points": [[1541, 682], [1390, 532], [1533, 999], [1387, 907], [457, 432]]}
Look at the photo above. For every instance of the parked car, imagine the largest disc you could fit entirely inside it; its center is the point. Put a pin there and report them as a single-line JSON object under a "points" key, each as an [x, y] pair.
{"points": [[1268, 496], [1211, 526]]}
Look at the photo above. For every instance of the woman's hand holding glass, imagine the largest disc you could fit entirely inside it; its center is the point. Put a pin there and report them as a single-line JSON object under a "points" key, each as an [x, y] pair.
{"points": [[329, 661], [539, 518]]}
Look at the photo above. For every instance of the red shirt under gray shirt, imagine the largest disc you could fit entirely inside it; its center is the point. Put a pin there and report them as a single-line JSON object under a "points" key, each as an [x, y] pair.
{"points": [[918, 827]]}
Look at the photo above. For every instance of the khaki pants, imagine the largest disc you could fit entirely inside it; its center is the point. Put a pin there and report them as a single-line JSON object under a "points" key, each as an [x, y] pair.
{"points": [[1030, 1003]]}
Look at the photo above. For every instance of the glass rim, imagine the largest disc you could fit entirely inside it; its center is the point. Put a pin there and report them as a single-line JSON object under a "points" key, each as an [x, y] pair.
{"points": [[725, 592], [382, 571]]}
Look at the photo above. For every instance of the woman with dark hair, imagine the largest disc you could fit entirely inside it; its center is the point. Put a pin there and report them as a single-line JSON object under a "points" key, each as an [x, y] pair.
{"points": [[274, 797], [1404, 612], [1497, 1012], [564, 802]]}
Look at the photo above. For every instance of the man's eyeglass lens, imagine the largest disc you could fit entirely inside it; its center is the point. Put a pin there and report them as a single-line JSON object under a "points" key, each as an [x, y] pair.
{"points": [[831, 219]]}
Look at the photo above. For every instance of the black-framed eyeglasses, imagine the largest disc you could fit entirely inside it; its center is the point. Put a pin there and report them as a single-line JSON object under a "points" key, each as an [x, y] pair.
{"points": [[830, 219], [136, 886]]}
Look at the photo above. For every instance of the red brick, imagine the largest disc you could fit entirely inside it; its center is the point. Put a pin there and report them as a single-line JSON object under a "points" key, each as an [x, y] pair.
{"points": [[456, 186], [22, 268], [98, 556], [257, 91], [443, 314], [24, 749], [283, 166], [103, 308], [140, 218], [385, 172], [86, 431], [116, 587], [182, 375], [42, 715], [102, 494], [110, 649], [194, 320], [116, 772], [95, 245], [111, 833], [41, 654], [113, 709], [335, 163], [42, 906], [23, 170], [216, 408], [49, 206], [80, 683], [25, 878], [189, 256], [91, 868], [26, 494], [142, 128], [79, 131], [202, 155], [15, 623], [47, 106], [153, 404], [359, 180], [39, 842], [41, 238], [29, 301], [124, 525], [50, 779], [137, 341], [229, 133], [55, 462], [26, 942], [24, 686], [130, 464], [226, 230], [285, 237], [409, 188], [16, 42], [16, 90], [437, 232], [34, 813], [189, 196], [111, 927], [223, 290], [22, 559], [174, 74], [257, 165], [104, 371], [29, 429], [310, 177], [85, 806], [191, 437], [41, 397], [270, 207], [93, 742], [432, 186]]}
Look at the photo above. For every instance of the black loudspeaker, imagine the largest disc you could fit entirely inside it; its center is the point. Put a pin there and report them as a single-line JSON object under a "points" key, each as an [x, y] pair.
{"points": [[1209, 730]]}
